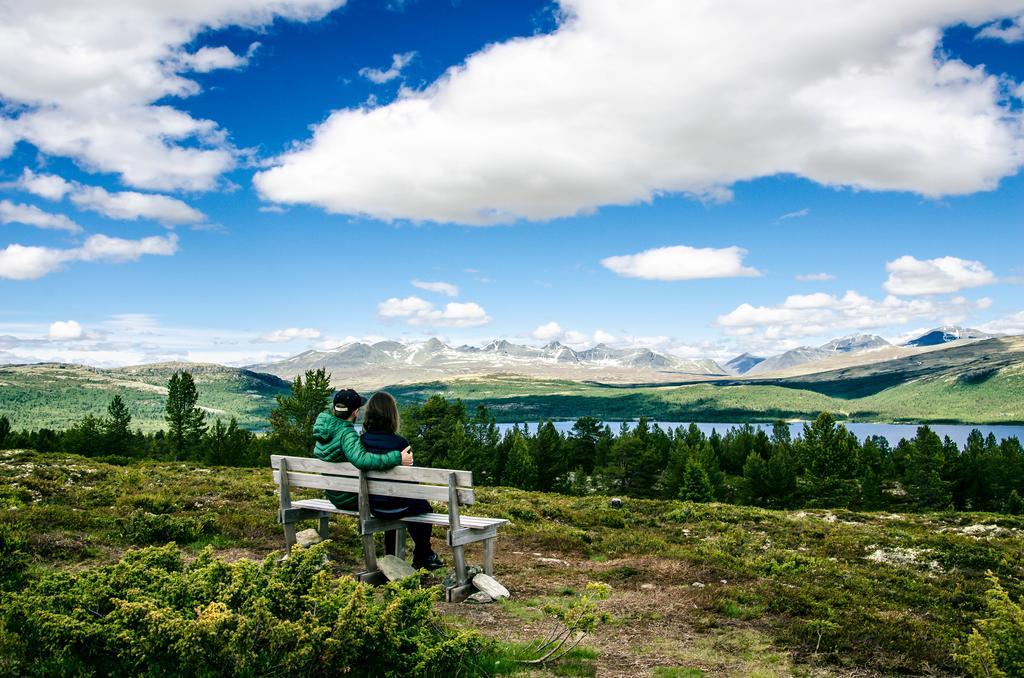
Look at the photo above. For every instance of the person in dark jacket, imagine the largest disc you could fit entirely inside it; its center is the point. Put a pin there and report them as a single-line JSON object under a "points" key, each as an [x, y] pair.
{"points": [[380, 434]]}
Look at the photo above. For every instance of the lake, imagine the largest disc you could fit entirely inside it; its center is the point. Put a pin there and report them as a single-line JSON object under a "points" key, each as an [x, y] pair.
{"points": [[893, 432]]}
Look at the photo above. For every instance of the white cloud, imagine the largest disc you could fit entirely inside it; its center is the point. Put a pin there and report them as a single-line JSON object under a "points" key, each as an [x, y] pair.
{"points": [[119, 250], [795, 215], [49, 186], [131, 205], [815, 314], [681, 263], [290, 334], [20, 213], [416, 311], [910, 276], [20, 262], [403, 308], [207, 59], [1007, 31], [380, 76], [627, 101], [447, 289], [1008, 324], [85, 79], [273, 209], [548, 332], [815, 277], [552, 331], [65, 330], [131, 339]]}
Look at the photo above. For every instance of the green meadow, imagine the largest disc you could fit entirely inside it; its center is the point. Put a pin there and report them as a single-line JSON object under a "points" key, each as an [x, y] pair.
{"points": [[695, 589]]}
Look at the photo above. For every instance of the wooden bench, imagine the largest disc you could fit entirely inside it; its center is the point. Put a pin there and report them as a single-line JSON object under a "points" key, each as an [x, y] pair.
{"points": [[433, 484]]}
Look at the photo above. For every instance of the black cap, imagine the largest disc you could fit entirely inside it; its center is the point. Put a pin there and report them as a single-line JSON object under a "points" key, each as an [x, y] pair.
{"points": [[347, 401]]}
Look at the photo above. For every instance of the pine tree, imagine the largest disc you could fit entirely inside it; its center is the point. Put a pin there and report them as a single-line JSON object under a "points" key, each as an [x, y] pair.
{"points": [[186, 422], [924, 482], [520, 471], [829, 454], [696, 484], [755, 472], [85, 438], [117, 426], [1015, 504], [5, 430], [227, 445], [582, 443], [291, 422], [549, 457]]}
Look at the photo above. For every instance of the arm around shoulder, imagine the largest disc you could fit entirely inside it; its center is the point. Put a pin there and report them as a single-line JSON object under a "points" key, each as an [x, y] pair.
{"points": [[367, 461]]}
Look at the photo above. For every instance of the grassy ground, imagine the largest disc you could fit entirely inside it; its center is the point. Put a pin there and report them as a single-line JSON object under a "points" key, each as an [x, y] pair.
{"points": [[696, 589]]}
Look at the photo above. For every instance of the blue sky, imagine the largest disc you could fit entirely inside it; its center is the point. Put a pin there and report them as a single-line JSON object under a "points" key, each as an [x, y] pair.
{"points": [[218, 182]]}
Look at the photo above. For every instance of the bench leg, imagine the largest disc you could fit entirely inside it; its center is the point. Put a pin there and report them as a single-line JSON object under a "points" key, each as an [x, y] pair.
{"points": [[289, 538], [460, 565], [489, 557], [400, 543], [323, 527], [457, 594], [370, 553]]}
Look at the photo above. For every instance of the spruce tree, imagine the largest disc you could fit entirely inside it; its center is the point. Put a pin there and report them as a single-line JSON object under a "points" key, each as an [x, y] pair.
{"points": [[117, 426], [549, 456], [5, 430], [924, 482], [291, 422], [186, 422], [520, 471], [1015, 504], [696, 484]]}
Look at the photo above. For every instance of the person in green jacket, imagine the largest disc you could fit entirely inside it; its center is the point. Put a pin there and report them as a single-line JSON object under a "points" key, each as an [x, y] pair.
{"points": [[337, 441]]}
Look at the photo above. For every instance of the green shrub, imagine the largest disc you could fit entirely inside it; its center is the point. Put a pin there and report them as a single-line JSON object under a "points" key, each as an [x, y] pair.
{"points": [[12, 558], [151, 614], [142, 528], [995, 648]]}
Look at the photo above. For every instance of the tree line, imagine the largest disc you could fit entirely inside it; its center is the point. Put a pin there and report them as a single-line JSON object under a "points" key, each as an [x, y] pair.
{"points": [[825, 466]]}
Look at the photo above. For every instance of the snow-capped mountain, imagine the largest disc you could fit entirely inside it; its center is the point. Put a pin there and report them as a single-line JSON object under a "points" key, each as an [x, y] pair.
{"points": [[856, 343], [392, 361], [946, 334]]}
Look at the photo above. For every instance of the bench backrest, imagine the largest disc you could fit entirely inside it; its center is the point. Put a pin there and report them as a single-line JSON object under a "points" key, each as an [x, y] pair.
{"points": [[413, 482]]}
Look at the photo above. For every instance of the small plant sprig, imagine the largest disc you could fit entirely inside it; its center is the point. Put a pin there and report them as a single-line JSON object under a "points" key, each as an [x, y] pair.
{"points": [[572, 625]]}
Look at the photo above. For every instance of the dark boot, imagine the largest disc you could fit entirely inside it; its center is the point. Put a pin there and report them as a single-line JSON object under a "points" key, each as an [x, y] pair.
{"points": [[431, 562]]}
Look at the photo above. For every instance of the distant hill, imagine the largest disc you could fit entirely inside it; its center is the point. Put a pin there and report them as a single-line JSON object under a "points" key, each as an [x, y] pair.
{"points": [[54, 394], [946, 334], [389, 362]]}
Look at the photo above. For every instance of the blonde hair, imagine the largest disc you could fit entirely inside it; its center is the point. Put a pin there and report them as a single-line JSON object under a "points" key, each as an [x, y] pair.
{"points": [[381, 414]]}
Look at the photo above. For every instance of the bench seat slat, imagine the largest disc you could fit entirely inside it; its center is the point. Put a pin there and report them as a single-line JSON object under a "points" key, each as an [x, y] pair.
{"points": [[378, 487], [416, 474], [429, 518]]}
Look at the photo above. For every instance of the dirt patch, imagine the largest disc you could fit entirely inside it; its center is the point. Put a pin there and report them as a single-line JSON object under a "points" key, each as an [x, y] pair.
{"points": [[661, 619]]}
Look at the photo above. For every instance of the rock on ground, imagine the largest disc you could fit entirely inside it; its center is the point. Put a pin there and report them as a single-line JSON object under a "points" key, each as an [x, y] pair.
{"points": [[395, 568], [307, 538], [479, 598], [490, 586]]}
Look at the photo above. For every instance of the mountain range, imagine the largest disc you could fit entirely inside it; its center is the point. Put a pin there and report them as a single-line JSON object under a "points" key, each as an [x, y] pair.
{"points": [[361, 364]]}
